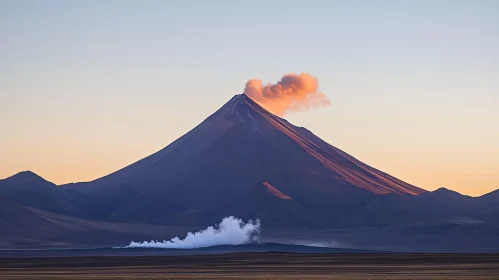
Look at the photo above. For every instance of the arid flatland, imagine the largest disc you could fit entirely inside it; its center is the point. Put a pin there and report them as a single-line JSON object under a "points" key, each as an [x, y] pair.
{"points": [[257, 266]]}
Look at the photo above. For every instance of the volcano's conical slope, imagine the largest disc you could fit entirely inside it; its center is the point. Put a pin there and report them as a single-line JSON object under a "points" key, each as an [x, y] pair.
{"points": [[219, 161]]}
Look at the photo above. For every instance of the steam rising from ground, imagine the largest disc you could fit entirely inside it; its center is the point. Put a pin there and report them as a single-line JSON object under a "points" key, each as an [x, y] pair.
{"points": [[231, 231], [294, 92]]}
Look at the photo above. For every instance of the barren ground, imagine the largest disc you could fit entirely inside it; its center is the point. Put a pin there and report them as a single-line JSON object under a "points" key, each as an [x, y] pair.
{"points": [[257, 266]]}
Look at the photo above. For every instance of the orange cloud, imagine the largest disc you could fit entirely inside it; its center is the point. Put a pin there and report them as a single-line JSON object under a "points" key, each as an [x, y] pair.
{"points": [[294, 92]]}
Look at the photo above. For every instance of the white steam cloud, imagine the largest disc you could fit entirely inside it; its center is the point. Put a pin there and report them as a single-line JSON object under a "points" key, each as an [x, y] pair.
{"points": [[231, 231]]}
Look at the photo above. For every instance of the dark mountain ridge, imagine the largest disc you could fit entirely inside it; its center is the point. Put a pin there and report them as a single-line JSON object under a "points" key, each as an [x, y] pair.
{"points": [[241, 161], [28, 189]]}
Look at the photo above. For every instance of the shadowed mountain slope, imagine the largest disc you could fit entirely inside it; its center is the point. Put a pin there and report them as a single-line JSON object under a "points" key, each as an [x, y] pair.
{"points": [[249, 130], [28, 189], [246, 162], [237, 147]]}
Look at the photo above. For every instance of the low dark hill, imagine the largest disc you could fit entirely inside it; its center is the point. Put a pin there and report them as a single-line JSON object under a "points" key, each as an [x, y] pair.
{"points": [[28, 189], [16, 219], [441, 206], [28, 228], [20, 225], [214, 250]]}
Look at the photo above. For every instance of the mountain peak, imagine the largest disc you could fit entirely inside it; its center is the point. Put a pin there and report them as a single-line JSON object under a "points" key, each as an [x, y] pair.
{"points": [[444, 193], [241, 109], [444, 190], [27, 177], [236, 100], [240, 98], [242, 103]]}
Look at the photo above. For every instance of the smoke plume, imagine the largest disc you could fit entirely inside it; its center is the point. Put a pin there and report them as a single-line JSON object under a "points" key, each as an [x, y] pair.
{"points": [[294, 92], [231, 231]]}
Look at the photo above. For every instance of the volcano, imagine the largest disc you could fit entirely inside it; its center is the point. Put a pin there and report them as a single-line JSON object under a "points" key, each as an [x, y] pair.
{"points": [[215, 167], [244, 161]]}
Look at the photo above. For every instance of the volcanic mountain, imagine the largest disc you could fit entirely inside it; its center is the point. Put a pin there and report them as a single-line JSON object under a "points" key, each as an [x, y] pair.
{"points": [[218, 164], [246, 162]]}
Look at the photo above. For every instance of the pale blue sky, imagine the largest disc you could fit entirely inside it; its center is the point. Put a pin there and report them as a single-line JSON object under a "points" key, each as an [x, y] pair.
{"points": [[87, 87]]}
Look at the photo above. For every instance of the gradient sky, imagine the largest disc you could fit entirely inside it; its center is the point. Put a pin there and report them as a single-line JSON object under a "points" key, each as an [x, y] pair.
{"points": [[88, 87]]}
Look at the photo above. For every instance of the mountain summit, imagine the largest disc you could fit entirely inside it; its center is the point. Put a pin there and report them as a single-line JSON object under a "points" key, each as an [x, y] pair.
{"points": [[246, 162], [221, 159]]}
